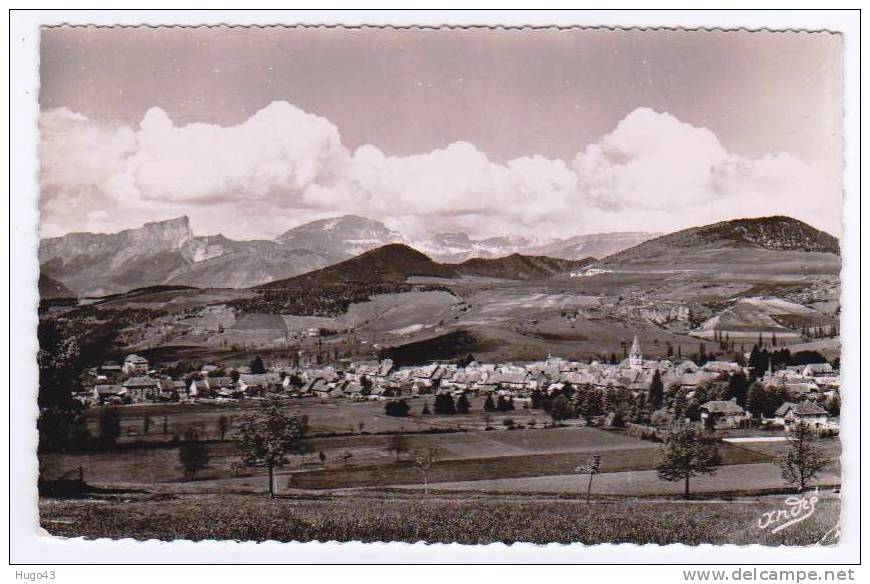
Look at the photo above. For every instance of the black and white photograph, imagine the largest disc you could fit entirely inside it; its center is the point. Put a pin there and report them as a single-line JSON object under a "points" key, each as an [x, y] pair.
{"points": [[446, 284]]}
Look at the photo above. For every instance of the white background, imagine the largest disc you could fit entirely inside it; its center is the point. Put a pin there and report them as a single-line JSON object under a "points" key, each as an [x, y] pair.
{"points": [[28, 546]]}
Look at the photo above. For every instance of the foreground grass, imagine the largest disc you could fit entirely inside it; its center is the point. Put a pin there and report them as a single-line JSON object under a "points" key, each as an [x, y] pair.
{"points": [[433, 520]]}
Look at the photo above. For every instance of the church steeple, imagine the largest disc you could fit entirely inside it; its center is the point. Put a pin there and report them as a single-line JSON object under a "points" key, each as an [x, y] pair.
{"points": [[635, 357]]}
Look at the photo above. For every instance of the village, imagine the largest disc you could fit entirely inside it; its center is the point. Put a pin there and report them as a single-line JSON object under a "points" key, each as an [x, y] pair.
{"points": [[719, 394]]}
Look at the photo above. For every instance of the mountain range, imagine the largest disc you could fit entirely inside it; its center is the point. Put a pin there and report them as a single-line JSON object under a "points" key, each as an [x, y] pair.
{"points": [[168, 252], [396, 262]]}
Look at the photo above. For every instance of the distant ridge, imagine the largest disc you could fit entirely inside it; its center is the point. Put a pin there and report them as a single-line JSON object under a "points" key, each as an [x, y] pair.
{"points": [[50, 288], [397, 262], [167, 252], [521, 267], [340, 237], [596, 245], [771, 233], [394, 262]]}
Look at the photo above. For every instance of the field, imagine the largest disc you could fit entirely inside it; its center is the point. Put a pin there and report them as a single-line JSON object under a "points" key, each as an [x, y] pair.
{"points": [[340, 454], [324, 417], [731, 480], [464, 520]]}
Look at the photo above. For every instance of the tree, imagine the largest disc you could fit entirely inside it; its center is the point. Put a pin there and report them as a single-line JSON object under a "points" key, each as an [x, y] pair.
{"points": [[423, 462], [488, 404], [560, 409], [802, 460], [462, 405], [257, 365], [366, 385], [59, 365], [688, 453], [397, 408], [590, 404], [764, 401], [618, 420], [108, 426], [537, 399], [656, 391], [444, 404], [62, 429], [807, 357], [738, 387], [398, 443], [662, 418], [592, 468], [756, 399], [504, 404], [680, 404], [702, 354], [832, 404], [192, 455], [223, 426], [267, 435]]}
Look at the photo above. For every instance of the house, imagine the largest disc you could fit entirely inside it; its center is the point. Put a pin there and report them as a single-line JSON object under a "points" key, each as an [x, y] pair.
{"points": [[109, 393], [578, 378], [722, 367], [208, 369], [423, 375], [318, 387], [691, 380], [219, 383], [169, 389], [384, 369], [196, 390], [135, 365], [256, 383], [142, 388], [801, 390], [354, 390], [718, 414], [790, 414], [687, 366], [515, 380], [818, 370]]}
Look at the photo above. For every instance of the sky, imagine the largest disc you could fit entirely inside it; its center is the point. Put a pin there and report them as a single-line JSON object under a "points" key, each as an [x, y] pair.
{"points": [[541, 133]]}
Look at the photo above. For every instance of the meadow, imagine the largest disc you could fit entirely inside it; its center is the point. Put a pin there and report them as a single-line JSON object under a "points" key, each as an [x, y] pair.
{"points": [[522, 460], [325, 417], [730, 481], [464, 520]]}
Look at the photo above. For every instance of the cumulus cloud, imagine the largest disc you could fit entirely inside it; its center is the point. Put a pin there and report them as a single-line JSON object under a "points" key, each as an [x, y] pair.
{"points": [[284, 166], [280, 150]]}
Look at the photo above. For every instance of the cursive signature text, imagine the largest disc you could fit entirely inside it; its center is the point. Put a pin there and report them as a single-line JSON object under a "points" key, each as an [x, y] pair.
{"points": [[794, 510]]}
